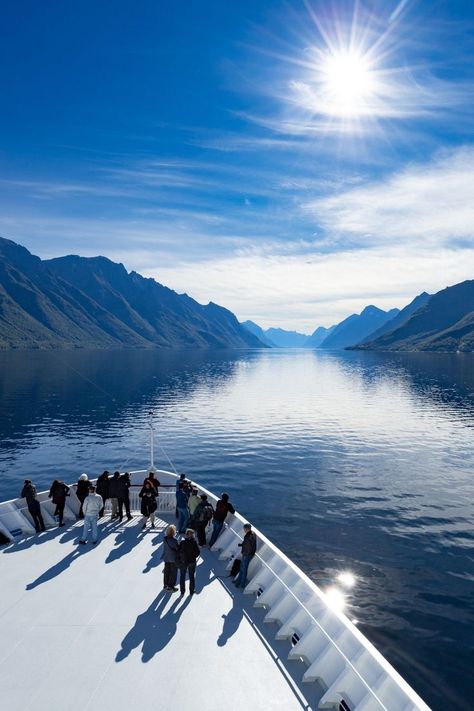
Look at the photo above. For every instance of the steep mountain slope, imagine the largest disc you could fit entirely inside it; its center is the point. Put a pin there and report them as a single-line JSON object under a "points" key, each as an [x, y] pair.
{"points": [[318, 336], [397, 320], [357, 327], [94, 303], [286, 339], [259, 332], [38, 310], [445, 322]]}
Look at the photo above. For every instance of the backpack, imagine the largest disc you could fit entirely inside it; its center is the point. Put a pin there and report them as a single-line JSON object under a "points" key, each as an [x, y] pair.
{"points": [[221, 508], [206, 513], [235, 567]]}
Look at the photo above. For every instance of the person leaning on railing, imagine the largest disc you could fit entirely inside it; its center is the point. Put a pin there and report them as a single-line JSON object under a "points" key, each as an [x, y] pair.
{"points": [[82, 491], [249, 548], [102, 489], [58, 493], [223, 507], [34, 507]]}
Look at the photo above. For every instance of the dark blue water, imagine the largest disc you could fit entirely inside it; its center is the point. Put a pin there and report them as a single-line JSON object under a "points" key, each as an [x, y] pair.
{"points": [[348, 461]]}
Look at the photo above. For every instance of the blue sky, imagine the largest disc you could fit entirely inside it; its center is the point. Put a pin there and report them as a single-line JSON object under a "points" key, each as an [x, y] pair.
{"points": [[293, 161]]}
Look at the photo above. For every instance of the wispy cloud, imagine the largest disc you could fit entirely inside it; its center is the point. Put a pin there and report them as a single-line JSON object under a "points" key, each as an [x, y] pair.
{"points": [[432, 204]]}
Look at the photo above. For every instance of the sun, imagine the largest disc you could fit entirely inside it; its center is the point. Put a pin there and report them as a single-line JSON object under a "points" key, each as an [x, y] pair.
{"points": [[347, 84]]}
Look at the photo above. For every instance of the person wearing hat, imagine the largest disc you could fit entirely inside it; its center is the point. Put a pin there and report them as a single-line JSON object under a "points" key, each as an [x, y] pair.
{"points": [[249, 548], [82, 491], [92, 506]]}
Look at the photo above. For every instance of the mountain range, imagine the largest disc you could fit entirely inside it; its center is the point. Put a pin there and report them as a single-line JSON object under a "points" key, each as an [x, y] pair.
{"points": [[95, 303], [444, 322], [439, 322], [79, 302]]}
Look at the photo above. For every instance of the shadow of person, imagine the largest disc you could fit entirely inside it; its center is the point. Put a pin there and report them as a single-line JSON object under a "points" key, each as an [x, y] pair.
{"points": [[125, 541], [57, 568], [232, 621], [152, 629], [155, 560], [33, 540]]}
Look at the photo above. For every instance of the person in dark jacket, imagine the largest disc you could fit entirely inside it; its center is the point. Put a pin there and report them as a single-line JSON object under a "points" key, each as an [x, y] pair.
{"points": [[102, 488], [148, 505], [202, 515], [82, 490], [249, 548], [152, 478], [114, 493], [223, 507], [124, 496], [188, 553], [169, 554], [58, 493], [34, 507], [182, 508]]}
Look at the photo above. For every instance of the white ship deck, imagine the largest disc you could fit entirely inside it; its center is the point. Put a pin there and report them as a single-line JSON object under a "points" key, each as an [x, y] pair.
{"points": [[85, 627], [90, 627]]}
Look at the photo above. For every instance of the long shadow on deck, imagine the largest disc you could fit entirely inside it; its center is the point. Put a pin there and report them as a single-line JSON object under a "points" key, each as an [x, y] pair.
{"points": [[57, 568], [152, 629]]}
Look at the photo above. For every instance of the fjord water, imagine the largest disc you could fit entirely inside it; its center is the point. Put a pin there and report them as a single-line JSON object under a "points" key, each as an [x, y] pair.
{"points": [[356, 462]]}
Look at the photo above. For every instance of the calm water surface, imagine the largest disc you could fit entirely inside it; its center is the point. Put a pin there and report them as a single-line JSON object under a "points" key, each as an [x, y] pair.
{"points": [[348, 461]]}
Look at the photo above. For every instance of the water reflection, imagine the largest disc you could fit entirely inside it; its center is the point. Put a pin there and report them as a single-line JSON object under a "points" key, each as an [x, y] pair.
{"points": [[357, 462]]}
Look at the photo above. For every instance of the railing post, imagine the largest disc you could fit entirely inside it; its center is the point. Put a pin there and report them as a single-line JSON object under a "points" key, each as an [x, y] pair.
{"points": [[150, 423]]}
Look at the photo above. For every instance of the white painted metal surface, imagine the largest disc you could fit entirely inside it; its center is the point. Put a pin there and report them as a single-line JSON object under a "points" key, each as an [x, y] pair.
{"points": [[82, 626]]}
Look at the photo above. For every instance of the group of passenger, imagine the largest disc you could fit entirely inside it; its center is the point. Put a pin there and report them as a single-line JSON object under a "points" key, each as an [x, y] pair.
{"points": [[194, 513]]}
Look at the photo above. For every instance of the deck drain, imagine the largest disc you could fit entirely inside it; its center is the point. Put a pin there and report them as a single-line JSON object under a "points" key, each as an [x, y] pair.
{"points": [[343, 706], [295, 638]]}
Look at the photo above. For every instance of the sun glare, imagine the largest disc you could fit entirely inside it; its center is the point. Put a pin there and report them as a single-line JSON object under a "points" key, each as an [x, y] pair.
{"points": [[347, 84]]}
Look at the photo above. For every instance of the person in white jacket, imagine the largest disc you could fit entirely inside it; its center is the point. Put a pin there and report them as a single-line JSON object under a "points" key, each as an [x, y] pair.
{"points": [[92, 505]]}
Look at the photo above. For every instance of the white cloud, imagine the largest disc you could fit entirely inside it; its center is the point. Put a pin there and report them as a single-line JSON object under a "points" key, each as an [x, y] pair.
{"points": [[430, 204], [302, 293]]}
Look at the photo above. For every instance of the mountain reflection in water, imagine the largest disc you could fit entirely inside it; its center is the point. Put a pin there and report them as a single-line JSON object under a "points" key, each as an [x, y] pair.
{"points": [[350, 462]]}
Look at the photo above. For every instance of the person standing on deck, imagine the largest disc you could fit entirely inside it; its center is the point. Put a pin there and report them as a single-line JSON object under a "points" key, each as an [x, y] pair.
{"points": [[182, 508], [188, 554], [168, 556], [34, 507], [181, 480], [92, 507], [114, 493], [124, 498], [249, 548], [223, 507], [154, 481], [102, 489], [148, 505], [58, 493], [202, 516], [193, 502], [82, 490]]}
